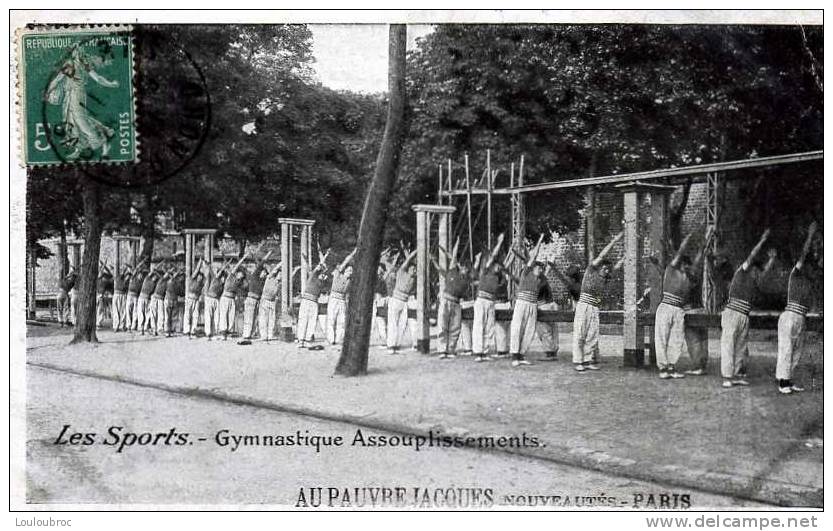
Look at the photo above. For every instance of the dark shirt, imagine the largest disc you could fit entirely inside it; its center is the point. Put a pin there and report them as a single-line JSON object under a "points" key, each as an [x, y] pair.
{"points": [[119, 283], [800, 289], [196, 286], [176, 287], [743, 285], [456, 284], [676, 282], [592, 283], [215, 289], [148, 285], [313, 287], [256, 285], [136, 282], [489, 283], [161, 287], [232, 286]]}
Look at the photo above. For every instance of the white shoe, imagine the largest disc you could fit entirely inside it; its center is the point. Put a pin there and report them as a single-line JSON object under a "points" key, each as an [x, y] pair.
{"points": [[518, 363], [727, 383], [785, 390], [594, 367], [796, 389], [663, 375], [676, 375], [696, 372], [580, 368], [740, 381]]}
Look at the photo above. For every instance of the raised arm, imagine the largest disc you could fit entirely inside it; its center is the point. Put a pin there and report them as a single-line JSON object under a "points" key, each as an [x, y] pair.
{"points": [[755, 250], [675, 262], [772, 254], [265, 257], [240, 262], [698, 258], [596, 262], [570, 283], [198, 269], [534, 254], [347, 260], [101, 80], [407, 261], [476, 265], [495, 250], [806, 249], [442, 272]]}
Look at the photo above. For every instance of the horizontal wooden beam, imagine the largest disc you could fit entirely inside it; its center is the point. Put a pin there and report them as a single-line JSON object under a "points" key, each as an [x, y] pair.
{"points": [[683, 171]]}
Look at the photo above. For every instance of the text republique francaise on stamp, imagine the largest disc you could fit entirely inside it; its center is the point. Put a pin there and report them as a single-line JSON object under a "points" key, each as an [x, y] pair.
{"points": [[76, 96]]}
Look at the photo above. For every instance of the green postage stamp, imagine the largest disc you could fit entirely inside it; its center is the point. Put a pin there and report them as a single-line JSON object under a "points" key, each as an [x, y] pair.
{"points": [[76, 95]]}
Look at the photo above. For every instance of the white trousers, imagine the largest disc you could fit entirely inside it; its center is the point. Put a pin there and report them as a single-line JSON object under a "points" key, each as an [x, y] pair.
{"points": [[734, 348], [250, 310], [379, 323], [336, 316], [211, 316], [228, 313], [266, 320], [669, 335], [191, 316], [483, 326], [522, 328], [129, 310], [585, 333], [117, 311], [449, 316], [140, 312], [397, 321], [307, 319], [790, 344]]}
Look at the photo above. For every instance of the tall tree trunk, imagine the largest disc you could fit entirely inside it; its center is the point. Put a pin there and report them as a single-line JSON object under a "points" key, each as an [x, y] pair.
{"points": [[353, 360], [85, 308]]}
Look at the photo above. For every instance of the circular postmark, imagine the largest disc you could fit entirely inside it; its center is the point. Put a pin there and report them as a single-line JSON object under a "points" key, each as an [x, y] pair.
{"points": [[169, 112]]}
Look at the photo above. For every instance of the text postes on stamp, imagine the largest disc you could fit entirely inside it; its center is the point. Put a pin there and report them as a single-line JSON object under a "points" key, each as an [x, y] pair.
{"points": [[76, 95]]}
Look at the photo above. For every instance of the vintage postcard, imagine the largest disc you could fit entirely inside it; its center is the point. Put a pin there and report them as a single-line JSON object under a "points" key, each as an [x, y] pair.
{"points": [[419, 261]]}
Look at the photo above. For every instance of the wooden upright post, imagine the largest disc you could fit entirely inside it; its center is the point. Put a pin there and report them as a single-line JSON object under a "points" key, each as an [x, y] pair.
{"points": [[189, 259], [117, 265], [286, 269], [423, 219], [287, 265], [590, 222], [468, 210], [633, 334], [658, 238], [489, 187], [305, 257], [191, 236]]}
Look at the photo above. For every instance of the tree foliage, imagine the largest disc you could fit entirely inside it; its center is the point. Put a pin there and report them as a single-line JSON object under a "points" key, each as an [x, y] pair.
{"points": [[607, 99]]}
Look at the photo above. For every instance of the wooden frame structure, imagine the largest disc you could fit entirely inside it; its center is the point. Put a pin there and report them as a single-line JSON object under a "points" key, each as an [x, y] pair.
{"points": [[288, 226], [191, 236], [633, 186], [425, 215], [133, 246]]}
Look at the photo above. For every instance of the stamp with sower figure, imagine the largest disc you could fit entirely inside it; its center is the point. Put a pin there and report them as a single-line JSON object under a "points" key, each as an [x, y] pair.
{"points": [[76, 95]]}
